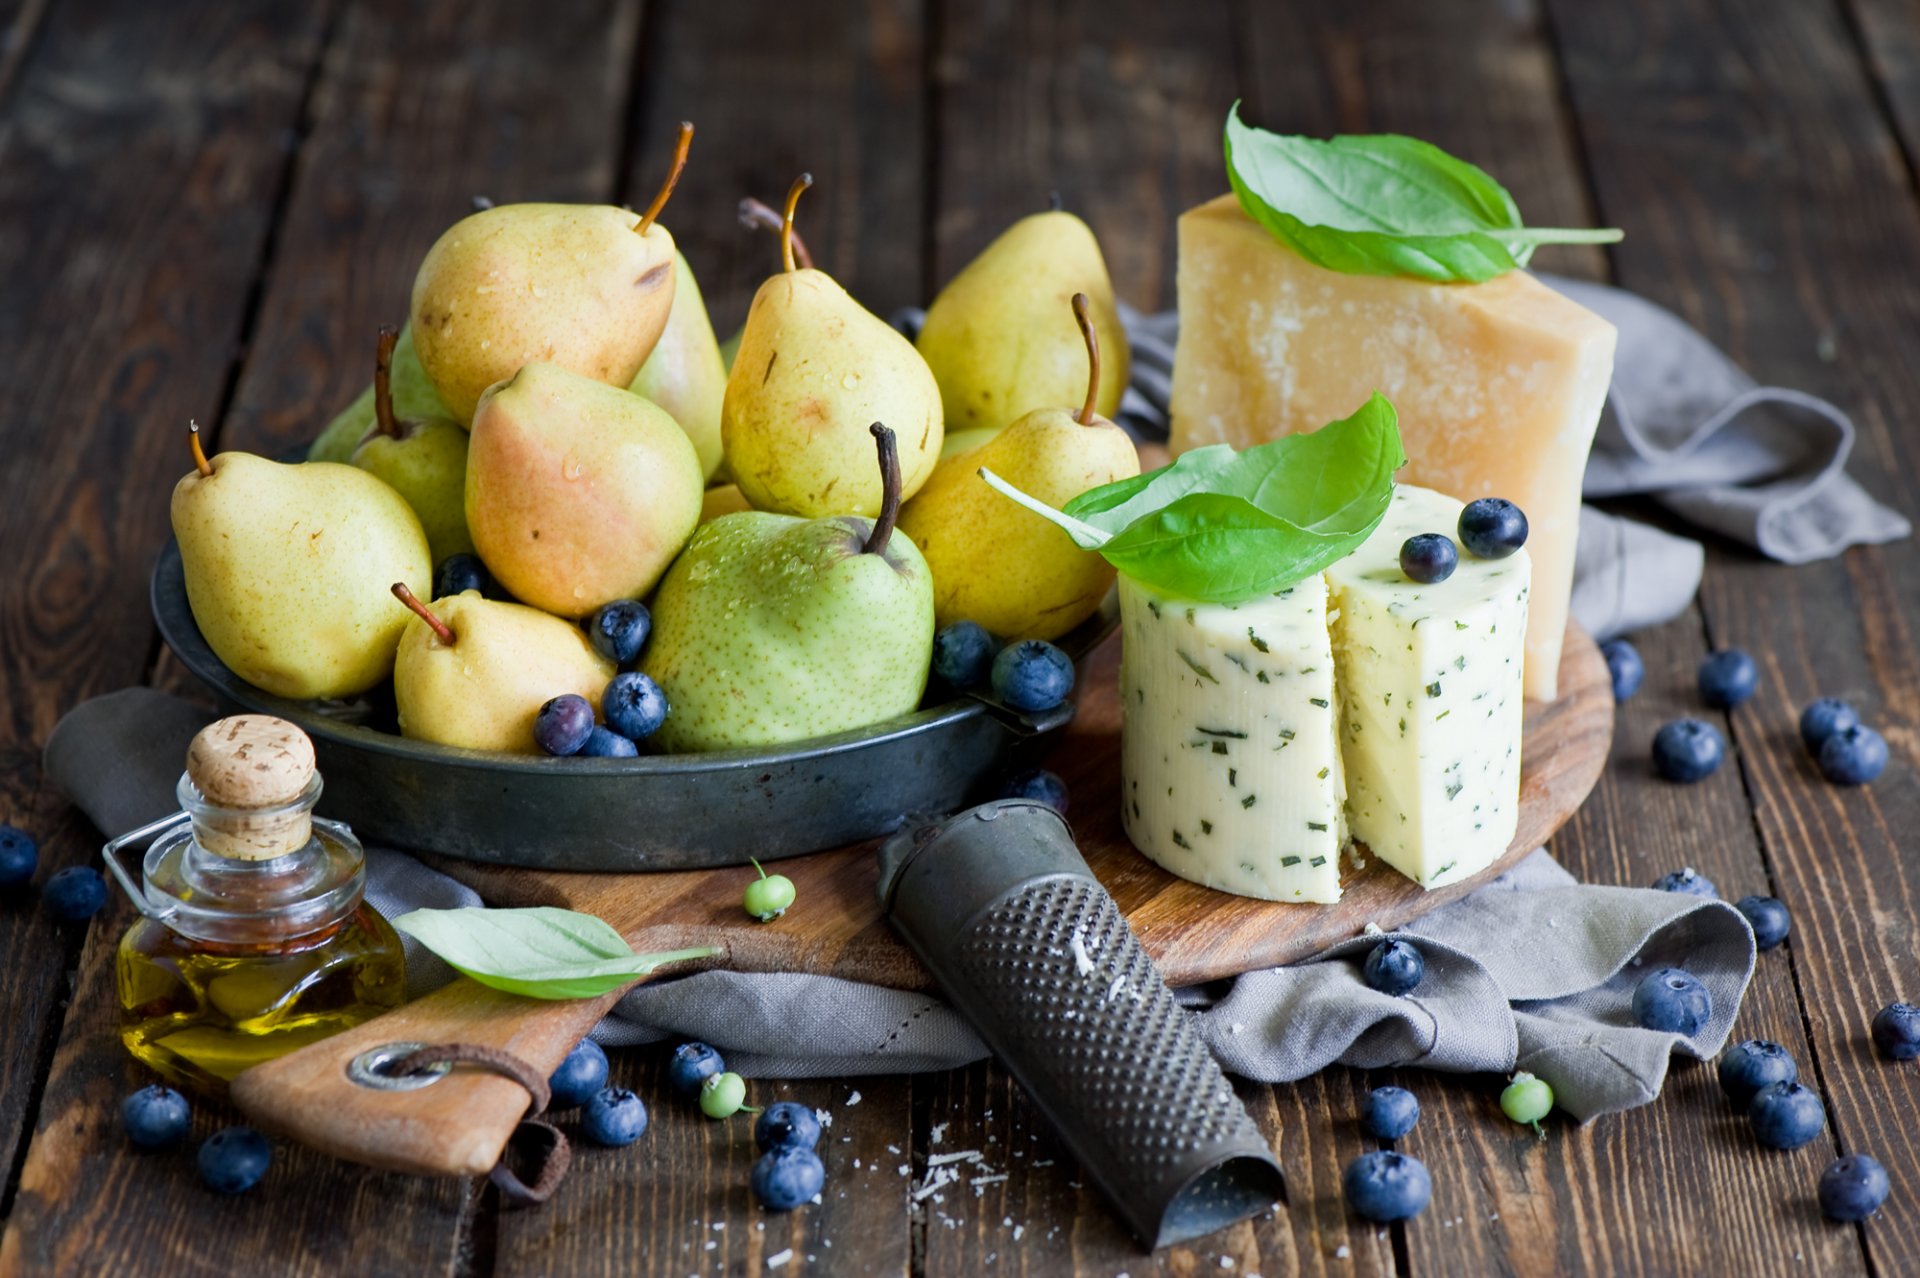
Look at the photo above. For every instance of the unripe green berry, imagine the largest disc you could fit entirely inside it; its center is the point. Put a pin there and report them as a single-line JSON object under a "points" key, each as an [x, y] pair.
{"points": [[1527, 1099], [722, 1095], [768, 896]]}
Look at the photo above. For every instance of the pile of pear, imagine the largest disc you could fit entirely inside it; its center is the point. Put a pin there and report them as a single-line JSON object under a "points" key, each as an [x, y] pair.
{"points": [[559, 407]]}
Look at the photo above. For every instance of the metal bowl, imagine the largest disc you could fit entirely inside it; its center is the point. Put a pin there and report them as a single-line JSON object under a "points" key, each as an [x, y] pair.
{"points": [[655, 812]]}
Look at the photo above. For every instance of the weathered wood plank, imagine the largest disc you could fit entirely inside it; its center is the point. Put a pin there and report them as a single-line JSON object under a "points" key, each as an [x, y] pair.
{"points": [[1888, 32], [20, 21], [1685, 115]]}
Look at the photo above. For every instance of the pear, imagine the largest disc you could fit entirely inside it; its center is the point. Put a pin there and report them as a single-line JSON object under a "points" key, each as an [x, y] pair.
{"points": [[685, 374], [413, 398], [473, 672], [727, 499], [578, 493], [285, 568], [584, 286], [1003, 566], [990, 337], [962, 441], [772, 628], [814, 368], [424, 459]]}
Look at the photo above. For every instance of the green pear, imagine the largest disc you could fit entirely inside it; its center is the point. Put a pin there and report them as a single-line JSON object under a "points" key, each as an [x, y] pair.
{"points": [[815, 368], [473, 672], [772, 628], [999, 564], [413, 398], [578, 493], [584, 286], [965, 441], [685, 374], [423, 459], [990, 336], [730, 350], [287, 569]]}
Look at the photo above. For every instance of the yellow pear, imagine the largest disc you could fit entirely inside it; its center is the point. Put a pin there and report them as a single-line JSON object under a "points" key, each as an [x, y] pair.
{"points": [[424, 459], [685, 374], [584, 286], [990, 338], [473, 672], [998, 564], [727, 499], [286, 569], [815, 370], [577, 493]]}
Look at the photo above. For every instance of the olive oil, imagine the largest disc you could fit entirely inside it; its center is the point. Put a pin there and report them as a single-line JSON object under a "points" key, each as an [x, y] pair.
{"points": [[257, 939]]}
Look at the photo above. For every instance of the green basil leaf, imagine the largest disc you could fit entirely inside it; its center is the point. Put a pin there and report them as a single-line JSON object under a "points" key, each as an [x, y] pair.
{"points": [[541, 952], [1383, 204], [1221, 549]]}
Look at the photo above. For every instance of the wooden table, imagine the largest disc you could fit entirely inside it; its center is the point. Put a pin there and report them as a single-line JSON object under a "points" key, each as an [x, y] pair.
{"points": [[206, 209]]}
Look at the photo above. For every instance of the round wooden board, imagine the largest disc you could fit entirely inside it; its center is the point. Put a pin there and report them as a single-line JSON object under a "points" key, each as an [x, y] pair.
{"points": [[1194, 933]]}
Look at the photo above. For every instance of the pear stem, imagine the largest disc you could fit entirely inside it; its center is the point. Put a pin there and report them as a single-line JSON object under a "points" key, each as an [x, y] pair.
{"points": [[800, 184], [200, 462], [384, 424], [411, 600], [684, 141], [755, 216], [890, 492], [1085, 322]]}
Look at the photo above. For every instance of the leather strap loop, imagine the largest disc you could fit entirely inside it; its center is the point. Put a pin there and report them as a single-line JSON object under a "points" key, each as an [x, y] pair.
{"points": [[536, 1139]]}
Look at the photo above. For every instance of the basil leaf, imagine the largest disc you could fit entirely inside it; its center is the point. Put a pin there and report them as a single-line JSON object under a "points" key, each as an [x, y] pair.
{"points": [[541, 952], [1221, 549], [1383, 204]]}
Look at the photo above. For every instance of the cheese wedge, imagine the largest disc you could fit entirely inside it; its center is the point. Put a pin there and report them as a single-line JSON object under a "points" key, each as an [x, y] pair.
{"points": [[1430, 697], [1230, 768], [1498, 385]]}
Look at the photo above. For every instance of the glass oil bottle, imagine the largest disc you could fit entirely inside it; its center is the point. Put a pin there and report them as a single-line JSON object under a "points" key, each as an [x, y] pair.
{"points": [[255, 937]]}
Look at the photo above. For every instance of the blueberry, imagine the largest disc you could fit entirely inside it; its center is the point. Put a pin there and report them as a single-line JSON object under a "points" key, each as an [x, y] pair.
{"points": [[583, 1073], [1389, 1112], [75, 893], [604, 743], [19, 855], [1852, 1188], [787, 1176], [1747, 1067], [1624, 664], [1384, 1186], [1824, 717], [1786, 1115], [155, 1117], [563, 724], [1727, 678], [1032, 675], [619, 630], [1853, 756], [1394, 967], [233, 1159], [1039, 785], [1768, 918], [963, 654], [613, 1117], [1896, 1031], [1492, 528], [635, 706], [786, 1123], [692, 1065], [1672, 1001], [1687, 750], [1687, 882], [1428, 558], [458, 574]]}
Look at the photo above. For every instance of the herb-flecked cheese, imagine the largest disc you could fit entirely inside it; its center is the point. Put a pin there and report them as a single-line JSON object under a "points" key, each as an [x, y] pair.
{"points": [[1430, 683], [1230, 767]]}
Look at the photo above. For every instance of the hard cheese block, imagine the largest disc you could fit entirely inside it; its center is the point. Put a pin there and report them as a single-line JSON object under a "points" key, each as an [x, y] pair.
{"points": [[1430, 697], [1499, 385], [1230, 769]]}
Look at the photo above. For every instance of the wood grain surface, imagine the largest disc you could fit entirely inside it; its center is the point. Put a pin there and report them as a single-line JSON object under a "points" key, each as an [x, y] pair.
{"points": [[204, 207]]}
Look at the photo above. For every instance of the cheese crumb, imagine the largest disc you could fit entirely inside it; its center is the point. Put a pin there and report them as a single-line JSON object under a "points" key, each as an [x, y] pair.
{"points": [[1082, 961], [854, 1099], [779, 1258]]}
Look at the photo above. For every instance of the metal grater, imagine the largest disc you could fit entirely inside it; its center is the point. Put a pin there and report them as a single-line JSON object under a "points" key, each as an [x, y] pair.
{"points": [[1027, 944]]}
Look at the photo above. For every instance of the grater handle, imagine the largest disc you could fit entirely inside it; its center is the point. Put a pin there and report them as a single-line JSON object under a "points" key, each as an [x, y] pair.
{"points": [[1031, 949]]}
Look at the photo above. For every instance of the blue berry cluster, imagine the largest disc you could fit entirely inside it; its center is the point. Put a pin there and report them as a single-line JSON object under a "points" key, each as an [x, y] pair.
{"points": [[1030, 676], [72, 895], [1846, 751], [633, 705]]}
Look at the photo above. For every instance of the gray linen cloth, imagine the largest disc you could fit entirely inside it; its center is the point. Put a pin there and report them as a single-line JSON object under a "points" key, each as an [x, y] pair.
{"points": [[1534, 971]]}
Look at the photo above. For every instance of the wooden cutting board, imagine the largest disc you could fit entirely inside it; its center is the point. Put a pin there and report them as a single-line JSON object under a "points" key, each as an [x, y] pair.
{"points": [[459, 1125]]}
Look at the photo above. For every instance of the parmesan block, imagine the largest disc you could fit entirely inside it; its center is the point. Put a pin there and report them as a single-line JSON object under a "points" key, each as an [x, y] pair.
{"points": [[1230, 766], [1430, 697], [1498, 385]]}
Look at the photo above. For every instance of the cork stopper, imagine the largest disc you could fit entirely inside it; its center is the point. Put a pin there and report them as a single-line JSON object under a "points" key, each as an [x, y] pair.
{"points": [[254, 769]]}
